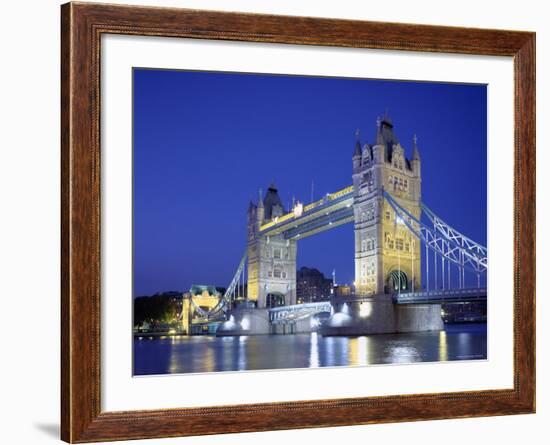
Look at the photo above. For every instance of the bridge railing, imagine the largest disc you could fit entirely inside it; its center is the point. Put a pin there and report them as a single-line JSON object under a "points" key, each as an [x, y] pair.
{"points": [[291, 215], [442, 295], [466, 291], [295, 311], [277, 220]]}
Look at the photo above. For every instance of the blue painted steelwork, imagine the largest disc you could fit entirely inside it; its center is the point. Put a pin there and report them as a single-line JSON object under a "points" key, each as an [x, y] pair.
{"points": [[448, 244], [338, 217], [331, 209], [284, 314], [225, 302], [442, 296]]}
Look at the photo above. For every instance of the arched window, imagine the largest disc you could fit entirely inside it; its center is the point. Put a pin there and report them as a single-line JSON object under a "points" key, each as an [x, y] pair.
{"points": [[397, 281], [275, 299], [399, 243]]}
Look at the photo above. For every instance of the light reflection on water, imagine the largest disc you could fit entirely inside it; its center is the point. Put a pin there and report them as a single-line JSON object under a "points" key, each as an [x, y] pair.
{"points": [[314, 351], [174, 355]]}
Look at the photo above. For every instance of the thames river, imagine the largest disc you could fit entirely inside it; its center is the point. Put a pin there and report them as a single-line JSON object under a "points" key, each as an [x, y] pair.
{"points": [[174, 355]]}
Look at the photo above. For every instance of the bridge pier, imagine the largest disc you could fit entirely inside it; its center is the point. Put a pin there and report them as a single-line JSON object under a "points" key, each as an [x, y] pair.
{"points": [[353, 316], [245, 321], [418, 317], [301, 326], [257, 321], [379, 315]]}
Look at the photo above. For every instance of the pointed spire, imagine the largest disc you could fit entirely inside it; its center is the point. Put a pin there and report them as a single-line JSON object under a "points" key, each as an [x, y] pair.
{"points": [[260, 199], [379, 138], [387, 119], [357, 151], [416, 154]]}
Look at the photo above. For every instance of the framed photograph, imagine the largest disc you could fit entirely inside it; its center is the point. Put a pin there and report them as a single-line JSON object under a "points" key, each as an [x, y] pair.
{"points": [[274, 222]]}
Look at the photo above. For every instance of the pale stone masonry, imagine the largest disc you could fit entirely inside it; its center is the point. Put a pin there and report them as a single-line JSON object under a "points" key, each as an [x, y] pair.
{"points": [[271, 259], [387, 255]]}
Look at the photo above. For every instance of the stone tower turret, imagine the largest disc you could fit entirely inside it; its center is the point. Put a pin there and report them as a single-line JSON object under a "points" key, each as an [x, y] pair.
{"points": [[357, 154], [415, 162], [386, 253], [271, 259], [260, 212]]}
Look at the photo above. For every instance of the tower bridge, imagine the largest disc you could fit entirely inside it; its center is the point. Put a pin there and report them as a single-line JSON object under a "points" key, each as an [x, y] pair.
{"points": [[396, 236]]}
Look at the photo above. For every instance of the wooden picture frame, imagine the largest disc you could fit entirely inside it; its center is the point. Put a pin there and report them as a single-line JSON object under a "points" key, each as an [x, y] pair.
{"points": [[82, 25]]}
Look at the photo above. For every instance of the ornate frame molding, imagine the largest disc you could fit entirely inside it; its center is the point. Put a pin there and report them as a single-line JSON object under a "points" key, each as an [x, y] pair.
{"points": [[82, 25]]}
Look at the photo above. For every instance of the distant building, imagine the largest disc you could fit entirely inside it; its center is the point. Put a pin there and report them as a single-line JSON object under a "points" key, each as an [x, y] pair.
{"points": [[197, 302], [170, 293], [206, 290], [342, 290], [205, 296], [311, 286], [464, 312]]}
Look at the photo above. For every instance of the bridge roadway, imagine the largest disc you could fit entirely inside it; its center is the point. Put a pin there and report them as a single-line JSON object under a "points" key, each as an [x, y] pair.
{"points": [[285, 314], [332, 210], [466, 295]]}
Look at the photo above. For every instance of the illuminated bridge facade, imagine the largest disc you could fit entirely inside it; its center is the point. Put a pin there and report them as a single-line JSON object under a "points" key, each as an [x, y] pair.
{"points": [[402, 248], [387, 254]]}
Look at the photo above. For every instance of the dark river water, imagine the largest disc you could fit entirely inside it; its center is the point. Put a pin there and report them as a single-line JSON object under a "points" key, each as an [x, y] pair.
{"points": [[173, 355]]}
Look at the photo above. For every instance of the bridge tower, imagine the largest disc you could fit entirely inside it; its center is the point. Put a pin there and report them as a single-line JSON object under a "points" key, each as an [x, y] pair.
{"points": [[387, 254], [271, 259]]}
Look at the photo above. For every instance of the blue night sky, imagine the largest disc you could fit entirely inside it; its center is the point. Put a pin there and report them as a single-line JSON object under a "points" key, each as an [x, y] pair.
{"points": [[204, 143]]}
